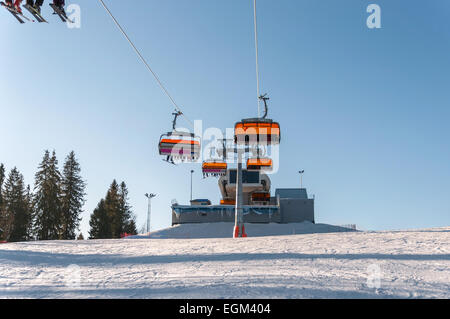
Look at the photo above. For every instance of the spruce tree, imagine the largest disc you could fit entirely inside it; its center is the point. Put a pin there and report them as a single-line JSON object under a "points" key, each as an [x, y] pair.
{"points": [[29, 203], [113, 215], [47, 201], [2, 179], [72, 197], [113, 208], [2, 213], [100, 222], [130, 226], [128, 221], [16, 207]]}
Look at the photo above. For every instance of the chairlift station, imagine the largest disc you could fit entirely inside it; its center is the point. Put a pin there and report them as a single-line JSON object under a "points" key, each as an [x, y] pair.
{"points": [[287, 205]]}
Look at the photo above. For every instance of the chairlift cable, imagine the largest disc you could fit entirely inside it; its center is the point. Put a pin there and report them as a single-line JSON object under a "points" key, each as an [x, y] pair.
{"points": [[145, 62], [257, 56]]}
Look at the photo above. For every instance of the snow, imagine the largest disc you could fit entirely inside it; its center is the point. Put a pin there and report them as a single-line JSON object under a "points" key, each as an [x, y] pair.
{"points": [[312, 263], [225, 230]]}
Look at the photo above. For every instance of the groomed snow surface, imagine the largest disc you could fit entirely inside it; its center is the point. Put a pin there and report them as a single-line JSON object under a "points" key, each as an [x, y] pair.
{"points": [[294, 261]]}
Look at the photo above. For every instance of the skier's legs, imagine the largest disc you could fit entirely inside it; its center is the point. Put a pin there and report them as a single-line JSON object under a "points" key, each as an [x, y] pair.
{"points": [[30, 2], [59, 3], [17, 4], [38, 5], [8, 3]]}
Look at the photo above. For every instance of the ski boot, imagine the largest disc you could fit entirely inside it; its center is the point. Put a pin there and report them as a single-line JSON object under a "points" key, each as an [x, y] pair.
{"points": [[17, 6], [62, 10], [9, 3]]}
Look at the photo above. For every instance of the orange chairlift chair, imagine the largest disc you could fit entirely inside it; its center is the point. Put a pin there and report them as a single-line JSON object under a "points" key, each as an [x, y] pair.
{"points": [[179, 145], [216, 167], [257, 130], [259, 164]]}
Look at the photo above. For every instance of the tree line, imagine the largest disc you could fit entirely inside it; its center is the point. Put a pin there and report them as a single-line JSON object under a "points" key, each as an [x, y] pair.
{"points": [[51, 211]]}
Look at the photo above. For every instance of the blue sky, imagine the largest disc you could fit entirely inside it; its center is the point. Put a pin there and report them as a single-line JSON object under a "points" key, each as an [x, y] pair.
{"points": [[364, 112]]}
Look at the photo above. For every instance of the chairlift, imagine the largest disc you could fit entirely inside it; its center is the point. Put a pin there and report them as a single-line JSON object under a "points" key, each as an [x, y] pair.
{"points": [[214, 168], [259, 164], [257, 130], [178, 145]]}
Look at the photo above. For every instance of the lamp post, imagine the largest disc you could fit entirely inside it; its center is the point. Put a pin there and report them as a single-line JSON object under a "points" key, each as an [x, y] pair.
{"points": [[149, 196], [301, 177]]}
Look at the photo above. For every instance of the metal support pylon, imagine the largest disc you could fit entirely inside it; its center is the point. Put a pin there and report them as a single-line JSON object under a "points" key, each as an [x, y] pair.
{"points": [[239, 228]]}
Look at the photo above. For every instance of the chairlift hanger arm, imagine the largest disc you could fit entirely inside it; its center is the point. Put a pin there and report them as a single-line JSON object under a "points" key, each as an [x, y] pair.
{"points": [[264, 98], [174, 122]]}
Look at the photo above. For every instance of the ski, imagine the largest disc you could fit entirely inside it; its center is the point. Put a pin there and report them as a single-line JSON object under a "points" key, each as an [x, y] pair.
{"points": [[62, 15], [12, 11], [35, 13], [16, 13]]}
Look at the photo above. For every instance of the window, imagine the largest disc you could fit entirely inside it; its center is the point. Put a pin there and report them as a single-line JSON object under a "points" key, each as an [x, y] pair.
{"points": [[248, 177]]}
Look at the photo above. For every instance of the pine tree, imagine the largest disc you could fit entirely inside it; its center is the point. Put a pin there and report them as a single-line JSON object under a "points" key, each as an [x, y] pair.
{"points": [[128, 220], [112, 204], [2, 179], [130, 226], [47, 201], [2, 214], [3, 217], [16, 207], [29, 203], [100, 222], [72, 197], [113, 215]]}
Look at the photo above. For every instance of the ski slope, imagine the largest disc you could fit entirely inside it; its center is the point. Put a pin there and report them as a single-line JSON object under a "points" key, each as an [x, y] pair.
{"points": [[225, 230], [391, 264]]}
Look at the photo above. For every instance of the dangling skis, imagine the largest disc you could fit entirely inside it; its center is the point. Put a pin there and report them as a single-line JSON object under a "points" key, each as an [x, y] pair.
{"points": [[62, 15], [12, 11], [19, 16], [35, 13]]}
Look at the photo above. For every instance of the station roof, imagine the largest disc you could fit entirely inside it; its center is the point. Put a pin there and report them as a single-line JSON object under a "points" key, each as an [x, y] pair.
{"points": [[299, 193]]}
